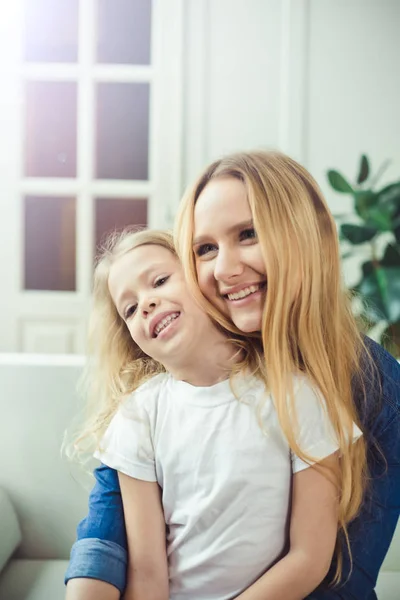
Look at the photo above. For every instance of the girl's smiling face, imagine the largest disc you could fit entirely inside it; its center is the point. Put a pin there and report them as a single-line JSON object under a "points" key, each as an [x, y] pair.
{"points": [[230, 267], [148, 289]]}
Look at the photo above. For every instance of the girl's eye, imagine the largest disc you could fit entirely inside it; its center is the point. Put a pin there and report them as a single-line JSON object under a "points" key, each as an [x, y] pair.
{"points": [[130, 311], [160, 281], [248, 234], [205, 249]]}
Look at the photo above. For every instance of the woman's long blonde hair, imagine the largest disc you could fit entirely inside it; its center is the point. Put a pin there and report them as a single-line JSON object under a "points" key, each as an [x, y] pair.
{"points": [[116, 366], [310, 331]]}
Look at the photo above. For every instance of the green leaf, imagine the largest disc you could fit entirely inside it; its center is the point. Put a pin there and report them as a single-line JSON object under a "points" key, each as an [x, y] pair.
{"points": [[396, 225], [374, 308], [339, 183], [379, 173], [373, 211], [380, 289], [356, 234], [390, 339], [363, 201], [391, 257], [390, 194], [367, 268], [340, 216], [364, 169], [380, 217], [346, 255]]}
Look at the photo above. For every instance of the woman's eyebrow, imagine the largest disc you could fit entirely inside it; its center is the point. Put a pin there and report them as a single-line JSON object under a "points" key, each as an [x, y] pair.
{"points": [[236, 227]]}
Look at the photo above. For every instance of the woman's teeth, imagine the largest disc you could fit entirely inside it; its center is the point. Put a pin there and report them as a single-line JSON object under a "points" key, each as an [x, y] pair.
{"points": [[166, 321], [245, 292]]}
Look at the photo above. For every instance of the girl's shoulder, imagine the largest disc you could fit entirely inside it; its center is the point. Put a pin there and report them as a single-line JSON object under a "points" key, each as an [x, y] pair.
{"points": [[307, 396], [148, 393], [153, 385]]}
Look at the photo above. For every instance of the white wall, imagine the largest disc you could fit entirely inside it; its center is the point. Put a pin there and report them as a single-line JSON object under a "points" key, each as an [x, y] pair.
{"points": [[318, 79], [353, 85], [232, 78]]}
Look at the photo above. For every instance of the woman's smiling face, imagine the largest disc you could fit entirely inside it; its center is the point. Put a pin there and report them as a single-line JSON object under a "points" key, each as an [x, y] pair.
{"points": [[230, 267]]}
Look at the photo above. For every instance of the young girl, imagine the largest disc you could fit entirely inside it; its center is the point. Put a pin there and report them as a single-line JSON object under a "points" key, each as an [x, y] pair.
{"points": [[211, 442], [263, 235]]}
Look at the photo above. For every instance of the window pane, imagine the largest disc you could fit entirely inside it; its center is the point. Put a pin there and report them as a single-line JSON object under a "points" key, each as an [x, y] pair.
{"points": [[50, 134], [51, 30], [122, 130], [50, 235], [116, 213], [123, 31]]}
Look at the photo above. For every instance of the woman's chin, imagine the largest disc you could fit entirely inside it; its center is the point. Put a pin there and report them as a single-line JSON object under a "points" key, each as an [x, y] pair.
{"points": [[248, 323]]}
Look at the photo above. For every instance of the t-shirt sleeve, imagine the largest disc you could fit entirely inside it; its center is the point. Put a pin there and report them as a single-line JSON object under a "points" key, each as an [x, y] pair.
{"points": [[316, 436], [127, 445]]}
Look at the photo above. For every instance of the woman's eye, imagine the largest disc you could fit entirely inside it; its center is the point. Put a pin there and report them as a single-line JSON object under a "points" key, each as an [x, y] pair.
{"points": [[248, 234], [205, 249], [160, 281], [130, 311]]}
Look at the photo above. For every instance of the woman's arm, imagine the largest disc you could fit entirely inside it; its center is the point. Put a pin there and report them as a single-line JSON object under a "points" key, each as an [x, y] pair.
{"points": [[313, 532], [145, 526], [91, 589], [372, 531], [99, 559]]}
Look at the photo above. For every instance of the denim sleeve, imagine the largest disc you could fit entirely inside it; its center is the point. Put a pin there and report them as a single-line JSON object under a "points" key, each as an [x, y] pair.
{"points": [[372, 531], [100, 551]]}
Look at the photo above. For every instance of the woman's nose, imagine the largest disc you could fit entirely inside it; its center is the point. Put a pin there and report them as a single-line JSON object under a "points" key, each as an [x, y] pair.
{"points": [[227, 265]]}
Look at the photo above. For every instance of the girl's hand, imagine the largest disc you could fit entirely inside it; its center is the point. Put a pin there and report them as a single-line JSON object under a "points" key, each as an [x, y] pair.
{"points": [[145, 527]]}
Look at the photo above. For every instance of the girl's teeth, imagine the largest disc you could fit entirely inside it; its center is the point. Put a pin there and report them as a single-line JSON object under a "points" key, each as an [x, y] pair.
{"points": [[166, 321], [243, 293]]}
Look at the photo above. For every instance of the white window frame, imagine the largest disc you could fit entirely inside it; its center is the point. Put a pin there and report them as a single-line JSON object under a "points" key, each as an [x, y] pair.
{"points": [[63, 313]]}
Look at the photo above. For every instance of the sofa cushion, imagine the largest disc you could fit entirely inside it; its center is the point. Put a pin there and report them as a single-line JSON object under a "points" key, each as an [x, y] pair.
{"points": [[10, 533], [388, 586], [48, 493], [24, 579]]}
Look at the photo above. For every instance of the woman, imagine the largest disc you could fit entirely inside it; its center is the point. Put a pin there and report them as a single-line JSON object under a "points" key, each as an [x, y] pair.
{"points": [[254, 227]]}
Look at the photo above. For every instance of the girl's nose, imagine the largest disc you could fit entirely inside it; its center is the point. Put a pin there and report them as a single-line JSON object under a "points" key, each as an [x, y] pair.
{"points": [[148, 306]]}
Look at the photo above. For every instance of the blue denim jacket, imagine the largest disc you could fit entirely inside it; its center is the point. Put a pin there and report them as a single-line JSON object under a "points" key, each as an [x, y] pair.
{"points": [[100, 551]]}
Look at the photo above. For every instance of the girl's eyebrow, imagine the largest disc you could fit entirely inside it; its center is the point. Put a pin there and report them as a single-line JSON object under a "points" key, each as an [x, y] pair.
{"points": [[143, 275], [234, 228], [152, 268]]}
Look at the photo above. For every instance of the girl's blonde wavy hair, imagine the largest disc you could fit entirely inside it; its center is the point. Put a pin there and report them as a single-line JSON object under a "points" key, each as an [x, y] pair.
{"points": [[310, 331], [116, 365]]}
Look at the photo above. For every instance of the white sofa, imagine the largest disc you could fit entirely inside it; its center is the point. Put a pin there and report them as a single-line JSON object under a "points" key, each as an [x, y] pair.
{"points": [[43, 497]]}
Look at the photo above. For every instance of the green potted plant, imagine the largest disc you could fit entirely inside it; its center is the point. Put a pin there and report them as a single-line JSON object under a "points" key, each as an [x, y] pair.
{"points": [[373, 233]]}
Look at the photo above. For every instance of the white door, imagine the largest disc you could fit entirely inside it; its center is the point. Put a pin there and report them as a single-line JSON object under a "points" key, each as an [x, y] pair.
{"points": [[90, 141]]}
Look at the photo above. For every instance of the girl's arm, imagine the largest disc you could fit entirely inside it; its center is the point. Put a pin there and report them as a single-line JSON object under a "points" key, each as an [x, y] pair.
{"points": [[313, 532], [145, 527]]}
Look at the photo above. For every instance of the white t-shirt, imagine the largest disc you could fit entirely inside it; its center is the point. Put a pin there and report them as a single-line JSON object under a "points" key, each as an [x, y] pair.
{"points": [[225, 480]]}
